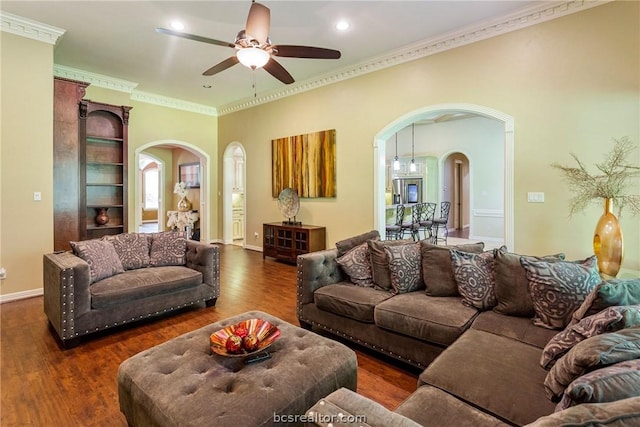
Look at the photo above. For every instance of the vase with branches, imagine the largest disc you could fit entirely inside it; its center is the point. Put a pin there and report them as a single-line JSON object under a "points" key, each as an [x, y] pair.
{"points": [[615, 183]]}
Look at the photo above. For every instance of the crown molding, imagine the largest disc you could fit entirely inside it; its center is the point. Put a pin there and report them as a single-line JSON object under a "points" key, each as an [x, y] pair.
{"points": [[522, 19], [178, 104], [95, 79], [24, 27]]}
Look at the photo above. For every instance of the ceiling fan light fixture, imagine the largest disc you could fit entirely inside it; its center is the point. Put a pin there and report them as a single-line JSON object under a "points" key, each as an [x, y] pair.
{"points": [[253, 57]]}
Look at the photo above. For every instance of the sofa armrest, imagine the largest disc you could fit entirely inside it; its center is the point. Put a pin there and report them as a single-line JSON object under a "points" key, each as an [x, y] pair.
{"points": [[66, 280], [344, 407], [315, 270], [205, 259]]}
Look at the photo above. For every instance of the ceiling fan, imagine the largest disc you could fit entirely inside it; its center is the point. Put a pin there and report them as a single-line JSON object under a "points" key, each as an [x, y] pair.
{"points": [[254, 48]]}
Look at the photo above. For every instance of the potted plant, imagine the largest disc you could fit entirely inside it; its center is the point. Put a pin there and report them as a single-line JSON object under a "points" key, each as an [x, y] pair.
{"points": [[615, 183]]}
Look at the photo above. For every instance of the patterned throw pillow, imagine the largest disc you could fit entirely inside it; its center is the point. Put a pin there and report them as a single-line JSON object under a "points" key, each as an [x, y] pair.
{"points": [[168, 248], [475, 276], [559, 288], [590, 354], [101, 256], [609, 293], [357, 265], [404, 267], [615, 382], [437, 271], [380, 261], [608, 320], [132, 249], [344, 246]]}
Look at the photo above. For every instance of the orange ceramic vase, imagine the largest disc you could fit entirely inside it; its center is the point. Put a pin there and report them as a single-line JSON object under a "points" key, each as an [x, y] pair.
{"points": [[607, 242]]}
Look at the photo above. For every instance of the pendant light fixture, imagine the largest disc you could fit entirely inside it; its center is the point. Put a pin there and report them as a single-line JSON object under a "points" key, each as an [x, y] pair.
{"points": [[412, 167], [396, 162]]}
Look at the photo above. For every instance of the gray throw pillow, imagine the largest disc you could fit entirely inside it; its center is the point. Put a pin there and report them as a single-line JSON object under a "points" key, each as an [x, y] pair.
{"points": [[609, 293], [437, 272], [356, 263], [512, 285], [558, 288], [168, 248], [346, 245], [380, 261], [592, 353], [615, 382], [621, 413], [474, 274], [404, 268], [101, 256], [132, 249]]}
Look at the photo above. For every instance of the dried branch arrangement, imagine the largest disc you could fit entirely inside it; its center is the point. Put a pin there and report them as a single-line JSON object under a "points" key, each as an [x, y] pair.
{"points": [[616, 179]]}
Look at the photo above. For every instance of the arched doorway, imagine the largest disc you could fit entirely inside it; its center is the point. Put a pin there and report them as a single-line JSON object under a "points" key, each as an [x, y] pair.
{"points": [[233, 195], [457, 189], [203, 207], [150, 191], [426, 112]]}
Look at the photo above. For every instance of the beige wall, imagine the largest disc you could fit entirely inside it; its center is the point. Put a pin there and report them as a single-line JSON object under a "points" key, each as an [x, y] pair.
{"points": [[571, 84], [26, 161]]}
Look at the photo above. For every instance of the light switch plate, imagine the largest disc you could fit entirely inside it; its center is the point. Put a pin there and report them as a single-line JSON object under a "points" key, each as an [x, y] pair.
{"points": [[535, 197], [37, 196]]}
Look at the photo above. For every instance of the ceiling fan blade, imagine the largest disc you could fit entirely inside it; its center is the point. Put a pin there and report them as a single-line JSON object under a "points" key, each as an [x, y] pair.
{"points": [[227, 63], [291, 51], [276, 70], [258, 22], [194, 37]]}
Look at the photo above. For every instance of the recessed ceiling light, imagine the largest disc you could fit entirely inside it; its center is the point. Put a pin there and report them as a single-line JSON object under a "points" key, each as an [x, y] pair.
{"points": [[342, 25], [177, 25]]}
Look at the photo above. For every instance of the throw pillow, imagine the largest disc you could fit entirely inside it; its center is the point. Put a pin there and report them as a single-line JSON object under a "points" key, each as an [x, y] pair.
{"points": [[437, 272], [609, 293], [615, 382], [608, 320], [512, 285], [474, 274], [621, 413], [356, 264], [380, 261], [168, 248], [592, 353], [101, 256], [404, 267], [132, 249], [558, 288], [346, 245]]}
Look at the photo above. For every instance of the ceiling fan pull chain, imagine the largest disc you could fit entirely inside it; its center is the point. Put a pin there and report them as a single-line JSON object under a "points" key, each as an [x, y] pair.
{"points": [[255, 90]]}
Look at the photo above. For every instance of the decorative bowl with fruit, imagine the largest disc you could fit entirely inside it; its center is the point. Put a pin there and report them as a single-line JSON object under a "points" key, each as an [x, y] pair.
{"points": [[244, 339]]}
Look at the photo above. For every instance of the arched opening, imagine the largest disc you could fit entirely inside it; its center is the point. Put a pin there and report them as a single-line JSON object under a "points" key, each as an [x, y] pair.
{"points": [[233, 195], [149, 175], [168, 176], [428, 113]]}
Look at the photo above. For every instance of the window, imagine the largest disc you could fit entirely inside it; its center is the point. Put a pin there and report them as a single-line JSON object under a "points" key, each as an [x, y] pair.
{"points": [[150, 182]]}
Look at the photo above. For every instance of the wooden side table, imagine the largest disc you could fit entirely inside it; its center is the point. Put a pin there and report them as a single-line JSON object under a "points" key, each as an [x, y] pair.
{"points": [[286, 242]]}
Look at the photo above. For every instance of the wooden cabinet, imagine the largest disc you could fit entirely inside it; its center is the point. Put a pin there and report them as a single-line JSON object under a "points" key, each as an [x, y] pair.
{"points": [[238, 175], [286, 242], [103, 168]]}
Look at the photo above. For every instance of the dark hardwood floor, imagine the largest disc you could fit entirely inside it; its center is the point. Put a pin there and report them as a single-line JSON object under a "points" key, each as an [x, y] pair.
{"points": [[42, 385]]}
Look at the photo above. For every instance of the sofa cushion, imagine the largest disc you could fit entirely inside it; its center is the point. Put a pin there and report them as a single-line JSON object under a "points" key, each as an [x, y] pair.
{"points": [[430, 406], [559, 288], [608, 320], [354, 302], [356, 263], [101, 256], [440, 320], [474, 369], [592, 353], [437, 272], [512, 285], [380, 261], [346, 245], [132, 249], [475, 276], [609, 293], [621, 413], [517, 328], [167, 248], [615, 382], [142, 283], [404, 268]]}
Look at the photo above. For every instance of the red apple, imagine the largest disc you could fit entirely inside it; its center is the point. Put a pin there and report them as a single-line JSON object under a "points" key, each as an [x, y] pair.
{"points": [[234, 344], [250, 342], [240, 330]]}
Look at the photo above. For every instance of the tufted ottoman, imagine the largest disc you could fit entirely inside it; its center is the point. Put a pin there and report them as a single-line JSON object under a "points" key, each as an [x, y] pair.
{"points": [[181, 383]]}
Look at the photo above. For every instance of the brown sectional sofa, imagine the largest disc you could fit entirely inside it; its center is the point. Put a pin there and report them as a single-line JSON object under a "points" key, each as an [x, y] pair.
{"points": [[482, 367], [120, 279]]}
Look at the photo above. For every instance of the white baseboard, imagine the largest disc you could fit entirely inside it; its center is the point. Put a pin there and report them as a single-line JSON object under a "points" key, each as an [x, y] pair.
{"points": [[253, 248], [21, 295]]}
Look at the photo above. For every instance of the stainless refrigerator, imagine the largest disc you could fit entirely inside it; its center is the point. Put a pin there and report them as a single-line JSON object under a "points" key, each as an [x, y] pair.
{"points": [[407, 190]]}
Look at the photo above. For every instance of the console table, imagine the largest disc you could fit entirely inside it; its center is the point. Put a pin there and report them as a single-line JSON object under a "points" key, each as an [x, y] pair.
{"points": [[182, 220], [286, 242]]}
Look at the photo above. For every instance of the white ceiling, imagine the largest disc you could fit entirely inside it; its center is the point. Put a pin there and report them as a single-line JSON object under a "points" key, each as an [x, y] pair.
{"points": [[117, 38]]}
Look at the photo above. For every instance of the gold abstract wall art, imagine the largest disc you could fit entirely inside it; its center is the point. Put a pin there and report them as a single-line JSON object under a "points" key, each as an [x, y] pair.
{"points": [[305, 163]]}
